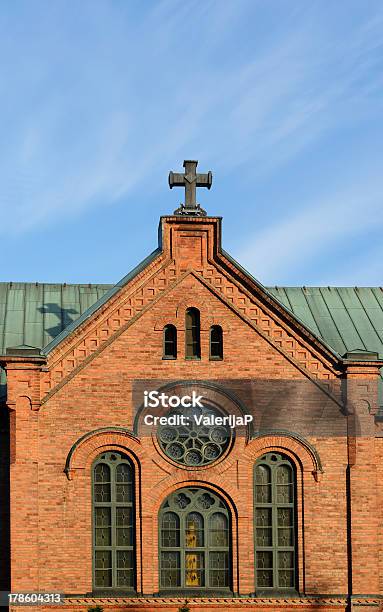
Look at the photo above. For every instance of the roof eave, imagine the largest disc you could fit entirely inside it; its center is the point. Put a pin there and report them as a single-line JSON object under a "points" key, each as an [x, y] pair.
{"points": [[283, 307], [97, 305]]}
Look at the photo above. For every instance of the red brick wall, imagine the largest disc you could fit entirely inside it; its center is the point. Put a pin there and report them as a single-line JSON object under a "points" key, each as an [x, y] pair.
{"points": [[51, 513]]}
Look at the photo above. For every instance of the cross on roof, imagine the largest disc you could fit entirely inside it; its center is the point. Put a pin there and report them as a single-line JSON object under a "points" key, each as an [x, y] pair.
{"points": [[190, 180]]}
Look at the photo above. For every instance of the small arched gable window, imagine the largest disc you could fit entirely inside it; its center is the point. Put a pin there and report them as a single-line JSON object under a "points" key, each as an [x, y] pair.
{"points": [[170, 342], [216, 342], [113, 523], [192, 334]]}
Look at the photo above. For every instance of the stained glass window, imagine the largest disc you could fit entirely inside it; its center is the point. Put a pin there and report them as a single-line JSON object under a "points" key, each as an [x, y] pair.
{"points": [[219, 530], [275, 538], [113, 520], [170, 530], [194, 542], [197, 443]]}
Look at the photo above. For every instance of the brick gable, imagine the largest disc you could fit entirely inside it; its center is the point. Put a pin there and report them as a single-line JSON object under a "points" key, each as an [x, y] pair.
{"points": [[189, 248], [77, 402]]}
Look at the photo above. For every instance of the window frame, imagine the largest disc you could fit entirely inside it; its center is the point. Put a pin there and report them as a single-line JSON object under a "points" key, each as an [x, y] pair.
{"points": [[196, 344], [188, 442], [219, 507], [284, 459], [113, 505], [173, 356], [218, 342]]}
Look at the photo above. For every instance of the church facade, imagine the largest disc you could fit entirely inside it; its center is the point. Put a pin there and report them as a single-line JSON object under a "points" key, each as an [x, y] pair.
{"points": [[193, 436]]}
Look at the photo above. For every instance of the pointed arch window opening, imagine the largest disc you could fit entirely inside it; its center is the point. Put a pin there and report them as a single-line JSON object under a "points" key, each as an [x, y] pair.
{"points": [[113, 523], [169, 342], [192, 334]]}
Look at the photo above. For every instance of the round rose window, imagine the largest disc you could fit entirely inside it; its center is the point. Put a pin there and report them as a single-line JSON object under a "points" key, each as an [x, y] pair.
{"points": [[197, 438]]}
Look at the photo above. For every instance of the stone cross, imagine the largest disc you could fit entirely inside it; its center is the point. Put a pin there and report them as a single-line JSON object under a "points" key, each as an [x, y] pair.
{"points": [[190, 180]]}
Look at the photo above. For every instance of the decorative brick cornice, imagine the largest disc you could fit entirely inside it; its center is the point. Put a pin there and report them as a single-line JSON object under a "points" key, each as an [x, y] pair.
{"points": [[208, 262], [103, 334], [223, 603], [314, 370]]}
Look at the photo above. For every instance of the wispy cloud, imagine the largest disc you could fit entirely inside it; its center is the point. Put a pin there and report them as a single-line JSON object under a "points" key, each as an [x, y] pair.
{"points": [[323, 227], [99, 100]]}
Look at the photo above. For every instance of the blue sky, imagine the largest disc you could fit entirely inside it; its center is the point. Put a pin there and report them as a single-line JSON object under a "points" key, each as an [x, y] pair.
{"points": [[282, 100]]}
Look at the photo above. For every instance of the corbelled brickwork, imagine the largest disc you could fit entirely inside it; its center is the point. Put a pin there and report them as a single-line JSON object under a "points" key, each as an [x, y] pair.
{"points": [[79, 401]]}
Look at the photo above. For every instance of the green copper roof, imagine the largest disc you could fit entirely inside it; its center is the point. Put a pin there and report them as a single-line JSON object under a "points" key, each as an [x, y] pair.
{"points": [[347, 318], [35, 313]]}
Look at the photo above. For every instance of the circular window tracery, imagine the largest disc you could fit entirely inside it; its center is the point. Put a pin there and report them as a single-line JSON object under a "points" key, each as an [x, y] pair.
{"points": [[198, 443]]}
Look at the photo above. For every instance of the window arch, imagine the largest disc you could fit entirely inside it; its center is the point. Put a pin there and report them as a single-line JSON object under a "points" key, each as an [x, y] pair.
{"points": [[170, 342], [113, 522], [192, 334], [275, 523], [194, 542], [216, 342]]}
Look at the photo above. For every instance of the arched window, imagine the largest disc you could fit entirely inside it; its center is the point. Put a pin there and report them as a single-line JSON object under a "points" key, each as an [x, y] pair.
{"points": [[113, 523], [170, 342], [192, 334], [275, 533], [194, 542], [216, 342]]}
